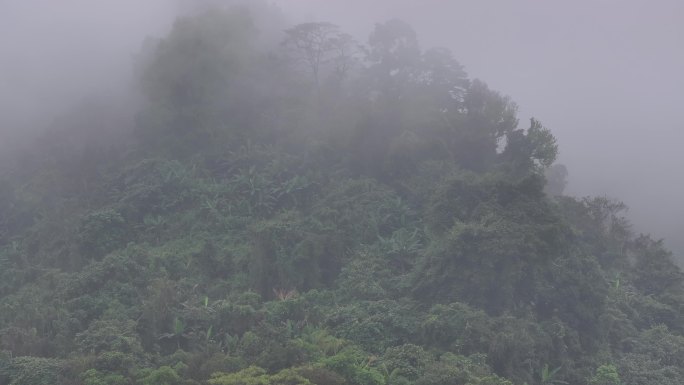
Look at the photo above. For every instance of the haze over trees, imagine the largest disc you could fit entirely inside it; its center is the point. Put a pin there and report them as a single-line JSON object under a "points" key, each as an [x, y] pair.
{"points": [[319, 210]]}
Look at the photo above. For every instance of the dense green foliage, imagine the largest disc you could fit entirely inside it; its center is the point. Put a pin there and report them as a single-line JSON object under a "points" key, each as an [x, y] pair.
{"points": [[319, 213]]}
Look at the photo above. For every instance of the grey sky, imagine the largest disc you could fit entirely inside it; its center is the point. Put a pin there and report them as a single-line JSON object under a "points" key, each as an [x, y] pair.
{"points": [[55, 53], [605, 75]]}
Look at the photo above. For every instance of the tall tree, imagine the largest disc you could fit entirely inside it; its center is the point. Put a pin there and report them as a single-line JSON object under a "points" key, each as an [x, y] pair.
{"points": [[319, 45], [531, 150]]}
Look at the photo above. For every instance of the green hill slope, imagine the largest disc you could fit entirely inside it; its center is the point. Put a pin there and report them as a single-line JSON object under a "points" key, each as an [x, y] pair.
{"points": [[320, 213]]}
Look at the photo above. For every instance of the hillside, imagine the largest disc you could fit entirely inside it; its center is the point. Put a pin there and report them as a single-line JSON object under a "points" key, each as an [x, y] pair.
{"points": [[319, 212]]}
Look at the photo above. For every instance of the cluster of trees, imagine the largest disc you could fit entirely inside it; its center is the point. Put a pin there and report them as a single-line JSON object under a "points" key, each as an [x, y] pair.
{"points": [[322, 212]]}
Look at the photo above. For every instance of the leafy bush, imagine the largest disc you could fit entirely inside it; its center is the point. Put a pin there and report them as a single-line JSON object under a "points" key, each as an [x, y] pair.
{"points": [[101, 232], [31, 370]]}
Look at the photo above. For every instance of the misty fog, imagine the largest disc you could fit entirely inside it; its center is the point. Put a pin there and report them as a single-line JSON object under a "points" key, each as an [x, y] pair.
{"points": [[341, 192], [605, 75], [56, 55]]}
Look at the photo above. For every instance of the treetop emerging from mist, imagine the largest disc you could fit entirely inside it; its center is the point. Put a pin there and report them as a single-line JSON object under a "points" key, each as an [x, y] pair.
{"points": [[377, 98]]}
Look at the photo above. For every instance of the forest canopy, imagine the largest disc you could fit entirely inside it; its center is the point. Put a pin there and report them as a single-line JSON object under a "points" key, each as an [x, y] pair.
{"points": [[320, 210]]}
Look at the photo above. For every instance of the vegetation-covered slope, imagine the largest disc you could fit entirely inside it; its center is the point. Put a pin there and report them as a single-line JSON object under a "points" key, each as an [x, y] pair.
{"points": [[320, 213]]}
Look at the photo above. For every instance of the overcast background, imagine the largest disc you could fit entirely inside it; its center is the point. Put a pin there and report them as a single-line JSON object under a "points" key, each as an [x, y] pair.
{"points": [[605, 75]]}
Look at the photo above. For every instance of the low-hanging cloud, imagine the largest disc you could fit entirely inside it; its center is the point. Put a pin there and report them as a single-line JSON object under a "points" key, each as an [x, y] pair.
{"points": [[605, 75]]}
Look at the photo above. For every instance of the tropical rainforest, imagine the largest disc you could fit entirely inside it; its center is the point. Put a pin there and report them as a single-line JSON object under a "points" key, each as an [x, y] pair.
{"points": [[314, 210]]}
